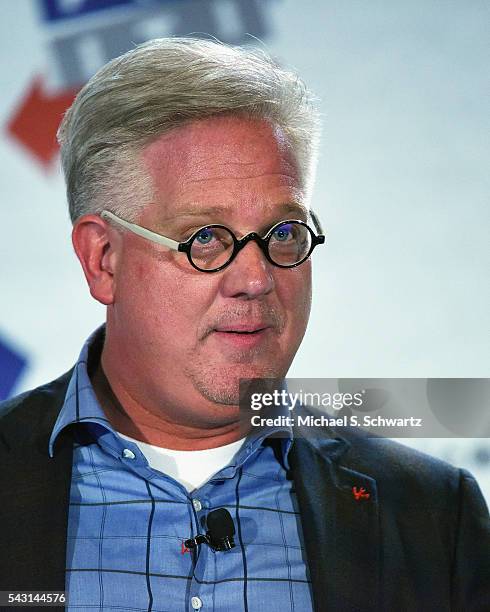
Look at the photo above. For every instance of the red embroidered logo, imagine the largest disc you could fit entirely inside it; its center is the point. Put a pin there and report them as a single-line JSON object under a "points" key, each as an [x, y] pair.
{"points": [[184, 548], [360, 493]]}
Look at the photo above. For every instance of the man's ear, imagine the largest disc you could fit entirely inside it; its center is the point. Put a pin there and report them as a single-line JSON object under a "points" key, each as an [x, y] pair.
{"points": [[95, 243]]}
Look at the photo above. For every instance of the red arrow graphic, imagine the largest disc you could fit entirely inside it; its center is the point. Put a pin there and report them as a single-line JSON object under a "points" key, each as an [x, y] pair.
{"points": [[37, 118]]}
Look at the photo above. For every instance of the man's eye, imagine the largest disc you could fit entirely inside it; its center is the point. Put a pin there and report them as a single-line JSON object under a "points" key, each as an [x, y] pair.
{"points": [[205, 236], [282, 233]]}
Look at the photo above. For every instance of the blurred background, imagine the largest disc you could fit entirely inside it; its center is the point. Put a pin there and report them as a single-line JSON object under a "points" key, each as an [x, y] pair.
{"points": [[401, 290]]}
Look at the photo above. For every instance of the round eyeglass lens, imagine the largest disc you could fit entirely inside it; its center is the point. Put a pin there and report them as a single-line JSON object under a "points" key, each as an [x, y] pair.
{"points": [[211, 248], [289, 243]]}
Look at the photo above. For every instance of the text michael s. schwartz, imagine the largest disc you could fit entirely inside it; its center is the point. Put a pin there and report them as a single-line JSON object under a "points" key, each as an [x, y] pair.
{"points": [[326, 421]]}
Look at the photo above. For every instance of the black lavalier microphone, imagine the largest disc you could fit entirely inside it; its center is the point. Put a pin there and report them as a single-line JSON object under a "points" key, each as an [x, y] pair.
{"points": [[219, 534]]}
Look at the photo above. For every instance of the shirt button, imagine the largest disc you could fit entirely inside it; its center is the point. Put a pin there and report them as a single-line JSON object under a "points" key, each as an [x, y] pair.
{"points": [[197, 505], [128, 454], [196, 603]]}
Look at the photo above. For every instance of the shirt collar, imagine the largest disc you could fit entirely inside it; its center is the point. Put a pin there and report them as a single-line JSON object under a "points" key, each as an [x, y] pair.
{"points": [[82, 406]]}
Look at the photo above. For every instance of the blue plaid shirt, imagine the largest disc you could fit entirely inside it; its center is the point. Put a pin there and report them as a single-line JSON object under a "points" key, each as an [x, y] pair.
{"points": [[127, 523]]}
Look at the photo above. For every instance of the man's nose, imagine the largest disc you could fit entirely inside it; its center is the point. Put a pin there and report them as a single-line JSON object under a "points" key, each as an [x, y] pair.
{"points": [[249, 275]]}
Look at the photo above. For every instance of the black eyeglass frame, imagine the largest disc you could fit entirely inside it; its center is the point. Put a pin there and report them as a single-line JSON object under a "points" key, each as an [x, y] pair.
{"points": [[263, 242]]}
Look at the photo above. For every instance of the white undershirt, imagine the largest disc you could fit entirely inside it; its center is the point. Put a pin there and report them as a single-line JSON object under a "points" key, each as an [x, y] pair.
{"points": [[191, 468]]}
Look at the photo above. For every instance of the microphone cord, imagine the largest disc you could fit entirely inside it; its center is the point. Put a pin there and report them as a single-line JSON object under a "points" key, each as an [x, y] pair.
{"points": [[239, 529]]}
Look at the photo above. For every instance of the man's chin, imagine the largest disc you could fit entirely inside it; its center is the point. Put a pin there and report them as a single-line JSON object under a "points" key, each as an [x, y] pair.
{"points": [[222, 385]]}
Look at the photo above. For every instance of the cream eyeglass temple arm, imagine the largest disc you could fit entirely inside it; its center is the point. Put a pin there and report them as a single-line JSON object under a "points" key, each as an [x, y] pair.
{"points": [[141, 231]]}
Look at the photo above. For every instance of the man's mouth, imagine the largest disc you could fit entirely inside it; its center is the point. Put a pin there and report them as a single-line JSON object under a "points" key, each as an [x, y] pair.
{"points": [[241, 335], [254, 329]]}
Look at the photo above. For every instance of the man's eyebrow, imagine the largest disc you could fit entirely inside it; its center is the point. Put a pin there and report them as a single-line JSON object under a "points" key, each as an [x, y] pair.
{"points": [[209, 211], [296, 208]]}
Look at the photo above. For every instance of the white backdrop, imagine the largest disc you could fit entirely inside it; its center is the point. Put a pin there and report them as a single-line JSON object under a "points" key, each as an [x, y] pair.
{"points": [[402, 288]]}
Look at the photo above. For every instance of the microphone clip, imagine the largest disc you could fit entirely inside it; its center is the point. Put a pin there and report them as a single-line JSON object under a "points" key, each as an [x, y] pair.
{"points": [[219, 534]]}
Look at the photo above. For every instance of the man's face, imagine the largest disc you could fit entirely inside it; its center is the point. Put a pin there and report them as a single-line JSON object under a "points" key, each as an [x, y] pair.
{"points": [[187, 337]]}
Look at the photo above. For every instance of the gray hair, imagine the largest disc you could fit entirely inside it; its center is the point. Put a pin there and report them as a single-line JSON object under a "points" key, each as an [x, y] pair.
{"points": [[158, 86]]}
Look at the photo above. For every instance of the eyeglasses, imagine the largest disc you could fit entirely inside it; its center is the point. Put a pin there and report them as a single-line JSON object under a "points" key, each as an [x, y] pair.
{"points": [[213, 247]]}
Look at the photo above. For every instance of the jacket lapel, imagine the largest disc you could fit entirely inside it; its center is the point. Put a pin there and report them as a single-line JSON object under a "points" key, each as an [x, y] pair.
{"points": [[35, 494], [339, 515]]}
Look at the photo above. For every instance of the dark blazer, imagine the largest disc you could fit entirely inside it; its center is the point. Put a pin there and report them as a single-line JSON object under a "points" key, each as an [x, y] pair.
{"points": [[417, 538]]}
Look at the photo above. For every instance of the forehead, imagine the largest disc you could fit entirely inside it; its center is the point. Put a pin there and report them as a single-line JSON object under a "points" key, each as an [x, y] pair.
{"points": [[216, 161]]}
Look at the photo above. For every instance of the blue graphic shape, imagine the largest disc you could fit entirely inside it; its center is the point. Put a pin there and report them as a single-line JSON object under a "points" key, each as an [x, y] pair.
{"points": [[12, 364], [57, 10]]}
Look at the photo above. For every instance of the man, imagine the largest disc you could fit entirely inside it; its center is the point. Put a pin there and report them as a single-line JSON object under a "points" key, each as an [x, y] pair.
{"points": [[189, 168]]}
